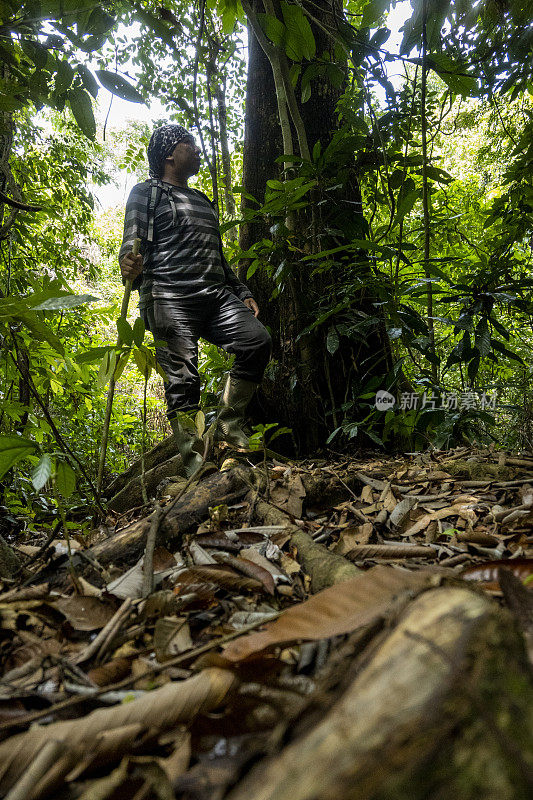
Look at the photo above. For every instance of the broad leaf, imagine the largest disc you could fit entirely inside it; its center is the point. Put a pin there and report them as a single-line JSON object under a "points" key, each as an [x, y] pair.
{"points": [[41, 473], [118, 85], [65, 302], [125, 331], [82, 108], [65, 479], [138, 331], [13, 449]]}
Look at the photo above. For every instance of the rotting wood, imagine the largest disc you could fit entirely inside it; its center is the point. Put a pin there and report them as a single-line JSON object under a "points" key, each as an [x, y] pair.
{"points": [[159, 454], [191, 509], [131, 494], [443, 709]]}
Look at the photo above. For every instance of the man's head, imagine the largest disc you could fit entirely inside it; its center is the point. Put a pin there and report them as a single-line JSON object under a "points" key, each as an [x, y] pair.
{"points": [[163, 149]]}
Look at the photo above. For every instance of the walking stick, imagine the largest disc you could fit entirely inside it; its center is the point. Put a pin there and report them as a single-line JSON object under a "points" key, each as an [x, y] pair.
{"points": [[111, 389]]}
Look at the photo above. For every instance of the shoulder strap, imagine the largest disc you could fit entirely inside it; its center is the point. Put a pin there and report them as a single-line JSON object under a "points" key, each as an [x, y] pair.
{"points": [[156, 190]]}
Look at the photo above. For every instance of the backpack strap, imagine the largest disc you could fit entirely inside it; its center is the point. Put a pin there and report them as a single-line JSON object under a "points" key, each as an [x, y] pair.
{"points": [[156, 191]]}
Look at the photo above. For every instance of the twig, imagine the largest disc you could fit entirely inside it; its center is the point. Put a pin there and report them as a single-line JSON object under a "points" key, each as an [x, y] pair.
{"points": [[107, 633], [173, 662], [148, 564], [42, 548]]}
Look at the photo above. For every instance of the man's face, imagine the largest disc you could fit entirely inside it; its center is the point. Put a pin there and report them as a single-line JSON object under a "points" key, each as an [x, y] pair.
{"points": [[186, 157]]}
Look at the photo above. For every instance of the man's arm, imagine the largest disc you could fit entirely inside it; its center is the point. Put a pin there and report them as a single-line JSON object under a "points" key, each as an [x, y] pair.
{"points": [[135, 223]]}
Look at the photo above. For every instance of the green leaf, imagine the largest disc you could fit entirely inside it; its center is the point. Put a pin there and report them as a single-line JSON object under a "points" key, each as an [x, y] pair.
{"points": [[82, 108], [65, 479], [125, 331], [437, 174], [121, 366], [199, 421], [300, 41], [332, 341], [138, 331], [107, 368], [118, 85], [99, 21], [497, 345], [88, 80], [65, 302], [64, 76], [93, 354], [273, 27], [41, 473], [142, 363], [13, 449], [482, 340], [373, 11]]}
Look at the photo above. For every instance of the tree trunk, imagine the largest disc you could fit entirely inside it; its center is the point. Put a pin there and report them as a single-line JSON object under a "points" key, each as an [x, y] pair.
{"points": [[310, 378], [225, 157]]}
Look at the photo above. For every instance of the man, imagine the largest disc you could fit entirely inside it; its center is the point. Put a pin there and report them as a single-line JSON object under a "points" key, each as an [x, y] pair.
{"points": [[188, 291]]}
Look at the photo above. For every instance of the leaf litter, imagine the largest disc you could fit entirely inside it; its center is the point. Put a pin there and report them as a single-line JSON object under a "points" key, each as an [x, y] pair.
{"points": [[176, 691]]}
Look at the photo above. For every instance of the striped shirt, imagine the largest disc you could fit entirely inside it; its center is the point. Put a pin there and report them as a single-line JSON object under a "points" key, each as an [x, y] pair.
{"points": [[180, 243]]}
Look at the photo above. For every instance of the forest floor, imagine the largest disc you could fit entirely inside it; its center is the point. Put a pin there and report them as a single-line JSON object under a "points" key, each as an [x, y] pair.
{"points": [[344, 627]]}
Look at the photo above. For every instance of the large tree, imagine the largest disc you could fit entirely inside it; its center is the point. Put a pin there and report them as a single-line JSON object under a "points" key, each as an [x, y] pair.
{"points": [[297, 77]]}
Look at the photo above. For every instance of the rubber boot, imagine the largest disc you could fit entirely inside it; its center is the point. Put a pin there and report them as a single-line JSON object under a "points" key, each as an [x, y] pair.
{"points": [[190, 447], [235, 398]]}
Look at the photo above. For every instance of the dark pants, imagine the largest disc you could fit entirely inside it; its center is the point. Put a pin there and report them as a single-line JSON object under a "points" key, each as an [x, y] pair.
{"points": [[220, 318]]}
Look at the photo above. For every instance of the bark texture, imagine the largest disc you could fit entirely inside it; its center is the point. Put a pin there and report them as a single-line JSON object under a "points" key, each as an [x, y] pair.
{"points": [[444, 709], [129, 543]]}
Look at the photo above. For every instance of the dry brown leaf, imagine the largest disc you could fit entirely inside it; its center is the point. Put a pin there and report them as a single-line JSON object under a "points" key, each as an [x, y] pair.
{"points": [[250, 569], [111, 672], [85, 613], [487, 572], [353, 536], [215, 574], [251, 554], [289, 565], [460, 510], [163, 559], [99, 732], [171, 636], [339, 609], [363, 552]]}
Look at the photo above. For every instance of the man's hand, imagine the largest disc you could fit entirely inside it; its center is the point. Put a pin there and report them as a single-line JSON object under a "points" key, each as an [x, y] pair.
{"points": [[131, 266], [252, 305]]}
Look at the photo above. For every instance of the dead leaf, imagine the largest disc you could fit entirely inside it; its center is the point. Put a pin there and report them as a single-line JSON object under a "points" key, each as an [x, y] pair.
{"points": [[111, 672], [487, 572], [85, 613], [289, 565], [252, 554], [171, 636], [341, 608], [215, 574], [159, 710], [363, 552], [163, 559], [250, 569]]}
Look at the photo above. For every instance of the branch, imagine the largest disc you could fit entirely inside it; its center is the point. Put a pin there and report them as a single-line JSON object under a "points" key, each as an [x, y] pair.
{"points": [[17, 204]]}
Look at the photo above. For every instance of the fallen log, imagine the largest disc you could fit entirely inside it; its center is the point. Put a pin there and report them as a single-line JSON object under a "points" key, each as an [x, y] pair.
{"points": [[324, 567], [444, 708], [131, 496], [128, 544], [160, 453]]}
